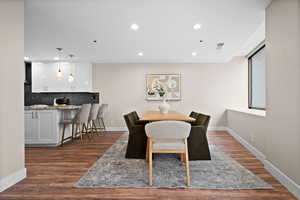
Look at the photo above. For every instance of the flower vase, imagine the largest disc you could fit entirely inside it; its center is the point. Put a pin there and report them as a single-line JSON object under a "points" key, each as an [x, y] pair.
{"points": [[164, 107]]}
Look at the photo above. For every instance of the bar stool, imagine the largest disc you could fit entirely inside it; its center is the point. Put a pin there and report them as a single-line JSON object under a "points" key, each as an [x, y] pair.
{"points": [[93, 117], [100, 116], [82, 121], [67, 122]]}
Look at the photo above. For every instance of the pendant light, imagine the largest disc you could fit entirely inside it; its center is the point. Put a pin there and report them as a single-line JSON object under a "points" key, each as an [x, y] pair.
{"points": [[59, 73], [71, 76]]}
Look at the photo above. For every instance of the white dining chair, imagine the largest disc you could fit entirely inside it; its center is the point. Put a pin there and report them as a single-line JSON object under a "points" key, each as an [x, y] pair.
{"points": [[168, 137], [92, 118], [82, 120]]}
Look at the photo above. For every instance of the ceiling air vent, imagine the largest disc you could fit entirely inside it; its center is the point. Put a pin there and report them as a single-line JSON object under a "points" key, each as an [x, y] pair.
{"points": [[220, 45]]}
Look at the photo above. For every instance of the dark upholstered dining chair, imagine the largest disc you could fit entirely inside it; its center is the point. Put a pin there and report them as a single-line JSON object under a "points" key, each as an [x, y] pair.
{"points": [[137, 141], [197, 141]]}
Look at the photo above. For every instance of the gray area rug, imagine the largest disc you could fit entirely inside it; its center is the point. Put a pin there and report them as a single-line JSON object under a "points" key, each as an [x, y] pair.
{"points": [[112, 170]]}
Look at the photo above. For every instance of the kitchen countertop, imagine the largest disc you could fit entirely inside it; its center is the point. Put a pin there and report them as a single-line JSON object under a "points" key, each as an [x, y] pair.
{"points": [[68, 107]]}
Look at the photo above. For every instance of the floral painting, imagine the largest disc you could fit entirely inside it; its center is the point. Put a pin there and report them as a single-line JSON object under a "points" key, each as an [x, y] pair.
{"points": [[160, 86]]}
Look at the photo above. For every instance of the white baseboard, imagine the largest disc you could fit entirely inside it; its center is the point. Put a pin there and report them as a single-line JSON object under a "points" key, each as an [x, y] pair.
{"points": [[116, 129], [283, 179], [12, 179], [259, 155], [293, 187], [217, 128]]}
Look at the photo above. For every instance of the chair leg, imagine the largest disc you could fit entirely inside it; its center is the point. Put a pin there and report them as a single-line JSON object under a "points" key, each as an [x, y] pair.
{"points": [[85, 130], [92, 130], [81, 132], [150, 162], [182, 156], [103, 123], [188, 181], [72, 131], [77, 130], [95, 127], [99, 123], [63, 136], [147, 150]]}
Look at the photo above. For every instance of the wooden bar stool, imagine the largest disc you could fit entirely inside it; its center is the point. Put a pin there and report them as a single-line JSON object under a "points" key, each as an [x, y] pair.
{"points": [[92, 118], [100, 116], [65, 123], [82, 121]]}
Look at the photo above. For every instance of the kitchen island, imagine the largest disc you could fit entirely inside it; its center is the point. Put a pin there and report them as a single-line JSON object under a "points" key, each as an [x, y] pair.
{"points": [[42, 124]]}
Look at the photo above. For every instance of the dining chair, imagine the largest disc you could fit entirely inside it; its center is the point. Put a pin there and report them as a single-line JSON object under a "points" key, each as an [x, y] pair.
{"points": [[137, 139], [100, 116], [92, 118], [82, 121], [168, 137], [197, 141]]}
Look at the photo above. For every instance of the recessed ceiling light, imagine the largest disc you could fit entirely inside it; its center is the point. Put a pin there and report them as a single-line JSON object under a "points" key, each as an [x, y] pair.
{"points": [[220, 45], [140, 53], [134, 27], [26, 58], [56, 58], [197, 26], [194, 53]]}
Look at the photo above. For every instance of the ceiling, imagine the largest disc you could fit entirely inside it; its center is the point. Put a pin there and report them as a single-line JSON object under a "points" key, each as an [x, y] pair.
{"points": [[165, 33]]}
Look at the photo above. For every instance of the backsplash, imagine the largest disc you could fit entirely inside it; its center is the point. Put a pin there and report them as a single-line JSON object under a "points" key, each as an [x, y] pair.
{"points": [[76, 98]]}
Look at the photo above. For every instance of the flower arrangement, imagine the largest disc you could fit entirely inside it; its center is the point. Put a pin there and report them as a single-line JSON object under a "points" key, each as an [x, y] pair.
{"points": [[157, 87]]}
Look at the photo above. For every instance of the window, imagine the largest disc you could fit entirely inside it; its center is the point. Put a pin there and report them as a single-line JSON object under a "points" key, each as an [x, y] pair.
{"points": [[257, 79]]}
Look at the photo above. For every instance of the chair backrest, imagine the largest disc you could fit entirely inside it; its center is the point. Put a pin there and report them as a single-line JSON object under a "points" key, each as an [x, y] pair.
{"points": [[84, 113], [168, 130], [94, 111], [130, 120], [201, 119], [135, 116], [194, 115], [102, 110]]}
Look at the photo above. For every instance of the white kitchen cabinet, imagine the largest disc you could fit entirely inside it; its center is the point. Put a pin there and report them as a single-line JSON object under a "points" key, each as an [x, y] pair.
{"points": [[44, 77], [31, 126], [48, 126], [42, 127]]}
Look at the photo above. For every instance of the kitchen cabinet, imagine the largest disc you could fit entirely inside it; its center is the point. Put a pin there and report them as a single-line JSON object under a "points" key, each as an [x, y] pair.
{"points": [[31, 126], [42, 127], [44, 77]]}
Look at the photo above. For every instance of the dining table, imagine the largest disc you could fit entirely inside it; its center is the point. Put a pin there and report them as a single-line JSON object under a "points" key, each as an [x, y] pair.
{"points": [[137, 140], [152, 115]]}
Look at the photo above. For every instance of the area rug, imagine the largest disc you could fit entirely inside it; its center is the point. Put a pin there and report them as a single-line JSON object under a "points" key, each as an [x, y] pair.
{"points": [[112, 170]]}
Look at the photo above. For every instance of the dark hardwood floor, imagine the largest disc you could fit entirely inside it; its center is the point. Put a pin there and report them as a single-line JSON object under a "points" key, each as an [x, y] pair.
{"points": [[51, 173]]}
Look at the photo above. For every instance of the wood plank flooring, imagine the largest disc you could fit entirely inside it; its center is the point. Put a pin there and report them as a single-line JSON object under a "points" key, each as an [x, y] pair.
{"points": [[51, 173]]}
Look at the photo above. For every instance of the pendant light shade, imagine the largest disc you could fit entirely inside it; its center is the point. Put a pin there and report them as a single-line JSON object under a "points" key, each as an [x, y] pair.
{"points": [[59, 73], [71, 76]]}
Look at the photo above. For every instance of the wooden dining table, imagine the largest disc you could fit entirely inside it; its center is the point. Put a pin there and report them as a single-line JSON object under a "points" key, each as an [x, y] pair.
{"points": [[152, 115]]}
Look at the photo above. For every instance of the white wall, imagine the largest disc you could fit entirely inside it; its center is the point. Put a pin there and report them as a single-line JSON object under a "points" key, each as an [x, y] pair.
{"points": [[206, 88], [278, 134], [11, 90]]}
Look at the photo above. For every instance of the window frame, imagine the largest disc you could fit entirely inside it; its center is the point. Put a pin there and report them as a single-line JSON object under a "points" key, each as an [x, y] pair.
{"points": [[250, 78]]}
